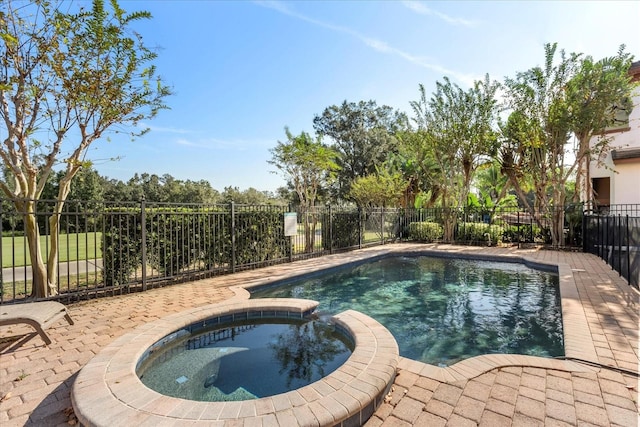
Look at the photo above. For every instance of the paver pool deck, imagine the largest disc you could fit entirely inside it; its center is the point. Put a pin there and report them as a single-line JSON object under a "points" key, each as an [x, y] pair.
{"points": [[596, 386]]}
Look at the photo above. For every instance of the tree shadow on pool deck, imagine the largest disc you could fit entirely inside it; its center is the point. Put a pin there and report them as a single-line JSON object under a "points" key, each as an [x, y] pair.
{"points": [[56, 407]]}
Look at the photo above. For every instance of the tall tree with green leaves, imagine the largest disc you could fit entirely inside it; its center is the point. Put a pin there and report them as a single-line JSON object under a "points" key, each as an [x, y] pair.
{"points": [[308, 165], [493, 187], [595, 94], [383, 189], [420, 168], [364, 135], [456, 127], [538, 132], [568, 96], [68, 76]]}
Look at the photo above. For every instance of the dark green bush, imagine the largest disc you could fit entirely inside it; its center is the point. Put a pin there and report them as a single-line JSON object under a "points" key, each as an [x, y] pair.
{"points": [[526, 233], [425, 231], [121, 247], [260, 237], [476, 232], [341, 230], [180, 238]]}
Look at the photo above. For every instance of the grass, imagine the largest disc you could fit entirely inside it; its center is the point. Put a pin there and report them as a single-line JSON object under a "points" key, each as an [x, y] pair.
{"points": [[73, 247]]}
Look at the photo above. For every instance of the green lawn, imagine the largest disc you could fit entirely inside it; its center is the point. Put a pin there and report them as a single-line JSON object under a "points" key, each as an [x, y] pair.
{"points": [[73, 247]]}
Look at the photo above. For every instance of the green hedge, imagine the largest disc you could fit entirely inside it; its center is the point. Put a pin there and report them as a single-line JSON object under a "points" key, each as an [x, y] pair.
{"points": [[477, 232], [425, 231], [342, 230], [121, 247], [182, 238], [523, 233]]}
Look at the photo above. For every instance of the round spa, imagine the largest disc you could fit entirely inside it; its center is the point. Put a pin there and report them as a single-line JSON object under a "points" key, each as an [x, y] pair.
{"points": [[262, 360], [243, 360]]}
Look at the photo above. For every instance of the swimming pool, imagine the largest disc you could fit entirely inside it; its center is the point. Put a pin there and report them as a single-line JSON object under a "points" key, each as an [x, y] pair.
{"points": [[443, 310]]}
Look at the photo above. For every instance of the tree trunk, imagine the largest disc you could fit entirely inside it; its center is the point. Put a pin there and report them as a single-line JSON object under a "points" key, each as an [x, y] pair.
{"points": [[40, 285], [309, 228], [52, 259], [449, 224], [557, 219]]}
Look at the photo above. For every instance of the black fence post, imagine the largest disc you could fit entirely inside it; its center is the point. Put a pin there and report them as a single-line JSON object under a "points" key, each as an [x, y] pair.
{"points": [[606, 243], [628, 253], [233, 237], [360, 228], [330, 233], [519, 227], [619, 237], [143, 226], [584, 233], [382, 225], [1, 234], [599, 234]]}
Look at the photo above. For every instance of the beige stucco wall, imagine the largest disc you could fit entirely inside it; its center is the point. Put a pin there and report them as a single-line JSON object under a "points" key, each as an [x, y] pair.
{"points": [[625, 184], [625, 177]]}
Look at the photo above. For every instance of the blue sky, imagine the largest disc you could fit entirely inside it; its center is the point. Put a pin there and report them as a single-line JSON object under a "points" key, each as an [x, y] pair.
{"points": [[241, 71]]}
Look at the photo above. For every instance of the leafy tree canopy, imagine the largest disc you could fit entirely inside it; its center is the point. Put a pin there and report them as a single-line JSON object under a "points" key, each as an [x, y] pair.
{"points": [[363, 133], [68, 76]]}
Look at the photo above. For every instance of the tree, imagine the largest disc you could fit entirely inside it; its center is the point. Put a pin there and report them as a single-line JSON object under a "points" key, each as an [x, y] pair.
{"points": [[538, 131], [594, 95], [198, 192], [87, 186], [493, 186], [250, 196], [383, 189], [420, 168], [572, 95], [308, 165], [463, 124], [455, 132], [363, 134], [66, 79]]}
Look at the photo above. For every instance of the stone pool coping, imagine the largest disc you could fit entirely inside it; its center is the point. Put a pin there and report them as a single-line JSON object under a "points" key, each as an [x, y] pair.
{"points": [[577, 339], [108, 392]]}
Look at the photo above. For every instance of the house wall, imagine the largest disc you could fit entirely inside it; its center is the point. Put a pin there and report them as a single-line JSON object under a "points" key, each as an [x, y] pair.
{"points": [[626, 184]]}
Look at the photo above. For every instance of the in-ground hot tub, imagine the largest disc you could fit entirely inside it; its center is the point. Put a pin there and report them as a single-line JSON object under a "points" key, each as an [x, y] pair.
{"points": [[108, 391], [245, 359]]}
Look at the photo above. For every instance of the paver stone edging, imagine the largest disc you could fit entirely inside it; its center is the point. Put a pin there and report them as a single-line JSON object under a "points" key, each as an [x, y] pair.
{"points": [[108, 392]]}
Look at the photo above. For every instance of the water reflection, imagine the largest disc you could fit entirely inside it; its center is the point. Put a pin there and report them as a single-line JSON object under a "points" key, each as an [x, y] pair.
{"points": [[306, 351], [442, 310], [246, 361]]}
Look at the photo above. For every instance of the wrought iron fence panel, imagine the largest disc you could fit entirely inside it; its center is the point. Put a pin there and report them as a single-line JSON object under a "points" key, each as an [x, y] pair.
{"points": [[121, 247], [615, 239]]}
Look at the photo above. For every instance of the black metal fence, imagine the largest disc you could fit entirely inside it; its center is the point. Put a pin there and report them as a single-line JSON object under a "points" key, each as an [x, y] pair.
{"points": [[108, 248], [615, 239]]}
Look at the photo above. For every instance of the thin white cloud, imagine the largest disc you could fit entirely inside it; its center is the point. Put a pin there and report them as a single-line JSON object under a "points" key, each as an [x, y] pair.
{"points": [[378, 45], [222, 144], [186, 142], [422, 9]]}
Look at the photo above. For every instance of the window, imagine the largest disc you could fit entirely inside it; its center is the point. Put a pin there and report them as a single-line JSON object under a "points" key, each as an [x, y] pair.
{"points": [[602, 191], [621, 112]]}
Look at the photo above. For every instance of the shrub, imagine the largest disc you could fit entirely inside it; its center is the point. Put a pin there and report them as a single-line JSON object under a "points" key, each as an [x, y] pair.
{"points": [[425, 231], [121, 247], [341, 230], [525, 233], [479, 232]]}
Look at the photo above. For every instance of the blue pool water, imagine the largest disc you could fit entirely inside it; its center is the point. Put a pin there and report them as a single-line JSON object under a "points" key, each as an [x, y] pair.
{"points": [[443, 310], [245, 360]]}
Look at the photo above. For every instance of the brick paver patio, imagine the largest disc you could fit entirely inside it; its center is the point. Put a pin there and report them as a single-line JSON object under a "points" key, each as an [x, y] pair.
{"points": [[602, 390]]}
